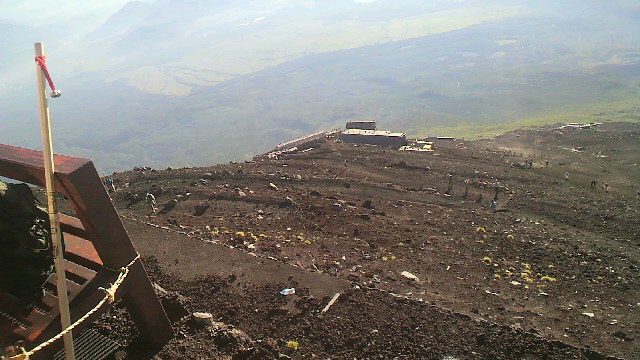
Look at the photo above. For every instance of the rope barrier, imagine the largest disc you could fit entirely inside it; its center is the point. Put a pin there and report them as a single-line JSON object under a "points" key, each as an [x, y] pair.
{"points": [[54, 93], [110, 296]]}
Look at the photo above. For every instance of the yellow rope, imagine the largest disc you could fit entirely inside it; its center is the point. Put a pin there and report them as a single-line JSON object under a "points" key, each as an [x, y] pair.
{"points": [[110, 296]]}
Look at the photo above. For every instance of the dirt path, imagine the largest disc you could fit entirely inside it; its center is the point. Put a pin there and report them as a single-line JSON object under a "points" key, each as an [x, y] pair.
{"points": [[188, 258]]}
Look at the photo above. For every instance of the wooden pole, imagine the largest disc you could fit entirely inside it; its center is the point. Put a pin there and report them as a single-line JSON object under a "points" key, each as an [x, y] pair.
{"points": [[49, 170]]}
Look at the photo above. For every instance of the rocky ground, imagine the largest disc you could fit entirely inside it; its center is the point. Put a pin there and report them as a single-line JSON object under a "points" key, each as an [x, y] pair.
{"points": [[425, 267]]}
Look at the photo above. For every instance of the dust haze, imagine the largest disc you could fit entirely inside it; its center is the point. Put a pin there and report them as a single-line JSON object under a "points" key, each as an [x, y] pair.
{"points": [[183, 83]]}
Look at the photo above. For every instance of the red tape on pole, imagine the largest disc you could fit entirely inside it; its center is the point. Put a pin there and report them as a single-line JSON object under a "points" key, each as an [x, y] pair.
{"points": [[43, 66]]}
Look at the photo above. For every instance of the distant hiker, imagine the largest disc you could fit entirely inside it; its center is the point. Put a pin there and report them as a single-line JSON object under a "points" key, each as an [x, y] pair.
{"points": [[466, 189], [594, 183], [546, 163], [606, 187], [151, 200], [566, 175], [110, 186], [493, 204]]}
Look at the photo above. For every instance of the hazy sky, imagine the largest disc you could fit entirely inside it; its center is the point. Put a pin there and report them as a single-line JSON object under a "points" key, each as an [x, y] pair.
{"points": [[33, 11], [30, 12]]}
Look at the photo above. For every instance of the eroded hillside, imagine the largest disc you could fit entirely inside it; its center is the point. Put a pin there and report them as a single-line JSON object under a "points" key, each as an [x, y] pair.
{"points": [[548, 272]]}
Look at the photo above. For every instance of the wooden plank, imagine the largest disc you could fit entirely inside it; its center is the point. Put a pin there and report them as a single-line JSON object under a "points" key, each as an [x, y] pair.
{"points": [[72, 225], [72, 287], [331, 302], [26, 165], [33, 159], [78, 273], [81, 248], [151, 320], [93, 207]]}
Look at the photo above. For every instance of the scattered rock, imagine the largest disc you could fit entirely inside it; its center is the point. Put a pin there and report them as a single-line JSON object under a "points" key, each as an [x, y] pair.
{"points": [[169, 205], [202, 319], [201, 208], [226, 335], [173, 303], [409, 276], [622, 336]]}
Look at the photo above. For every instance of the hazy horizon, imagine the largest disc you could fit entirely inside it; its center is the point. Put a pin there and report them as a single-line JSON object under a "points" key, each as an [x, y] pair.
{"points": [[236, 78]]}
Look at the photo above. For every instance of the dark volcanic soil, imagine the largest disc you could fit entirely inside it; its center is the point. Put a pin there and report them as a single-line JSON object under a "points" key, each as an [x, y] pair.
{"points": [[550, 272]]}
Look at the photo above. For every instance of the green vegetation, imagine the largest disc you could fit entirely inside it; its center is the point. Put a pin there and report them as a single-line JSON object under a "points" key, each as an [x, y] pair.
{"points": [[621, 111]]}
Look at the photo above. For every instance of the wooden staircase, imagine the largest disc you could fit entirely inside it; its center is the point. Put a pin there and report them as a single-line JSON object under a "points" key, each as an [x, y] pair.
{"points": [[96, 246]]}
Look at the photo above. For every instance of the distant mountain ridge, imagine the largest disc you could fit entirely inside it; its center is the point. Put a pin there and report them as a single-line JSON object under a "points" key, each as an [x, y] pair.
{"points": [[206, 42], [122, 21]]}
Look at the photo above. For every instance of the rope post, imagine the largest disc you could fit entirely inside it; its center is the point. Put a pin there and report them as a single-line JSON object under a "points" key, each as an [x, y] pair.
{"points": [[58, 256]]}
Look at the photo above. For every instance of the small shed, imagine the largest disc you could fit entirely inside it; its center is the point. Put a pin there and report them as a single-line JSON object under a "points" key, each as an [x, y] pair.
{"points": [[362, 125]]}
